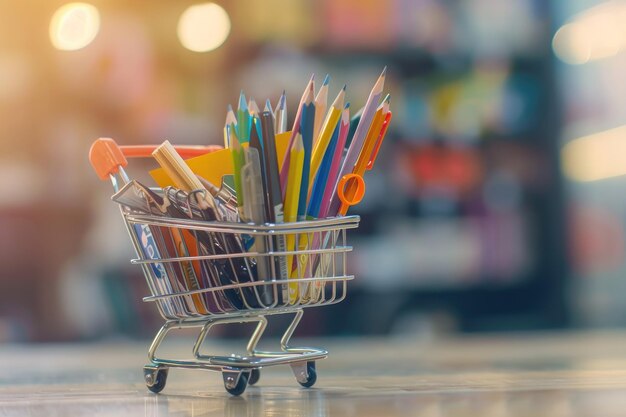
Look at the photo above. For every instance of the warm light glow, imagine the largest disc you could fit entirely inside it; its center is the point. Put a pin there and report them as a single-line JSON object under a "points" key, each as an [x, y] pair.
{"points": [[203, 27], [596, 33], [74, 26], [597, 156]]}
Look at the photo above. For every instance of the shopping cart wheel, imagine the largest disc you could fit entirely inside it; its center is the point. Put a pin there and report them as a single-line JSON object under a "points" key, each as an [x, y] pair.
{"points": [[155, 379], [235, 382], [305, 373], [255, 375]]}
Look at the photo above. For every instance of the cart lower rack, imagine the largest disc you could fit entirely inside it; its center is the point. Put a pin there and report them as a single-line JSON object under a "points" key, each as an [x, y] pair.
{"points": [[207, 273]]}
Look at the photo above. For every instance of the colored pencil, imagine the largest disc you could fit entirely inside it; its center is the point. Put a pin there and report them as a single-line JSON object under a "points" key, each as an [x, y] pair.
{"points": [[230, 119], [321, 103], [317, 190], [253, 108], [243, 120], [280, 115], [308, 120], [332, 119], [294, 130], [291, 206], [238, 161], [333, 171]]}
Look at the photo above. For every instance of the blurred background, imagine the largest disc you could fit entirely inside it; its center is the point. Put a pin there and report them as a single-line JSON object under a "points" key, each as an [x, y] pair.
{"points": [[497, 202]]}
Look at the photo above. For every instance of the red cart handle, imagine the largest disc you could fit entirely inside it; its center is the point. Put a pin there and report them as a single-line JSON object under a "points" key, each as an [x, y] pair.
{"points": [[107, 157]]}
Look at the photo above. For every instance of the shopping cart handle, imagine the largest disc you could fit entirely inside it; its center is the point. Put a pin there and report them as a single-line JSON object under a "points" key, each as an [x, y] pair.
{"points": [[107, 157]]}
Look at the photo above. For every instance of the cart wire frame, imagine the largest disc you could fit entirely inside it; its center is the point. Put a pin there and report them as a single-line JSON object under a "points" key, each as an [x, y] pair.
{"points": [[320, 278]]}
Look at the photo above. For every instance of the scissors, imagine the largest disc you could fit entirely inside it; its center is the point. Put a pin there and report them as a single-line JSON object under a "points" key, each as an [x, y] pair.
{"points": [[351, 187], [355, 186]]}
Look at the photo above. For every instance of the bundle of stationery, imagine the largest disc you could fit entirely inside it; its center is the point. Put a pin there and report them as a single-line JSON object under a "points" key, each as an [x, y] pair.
{"points": [[265, 175]]}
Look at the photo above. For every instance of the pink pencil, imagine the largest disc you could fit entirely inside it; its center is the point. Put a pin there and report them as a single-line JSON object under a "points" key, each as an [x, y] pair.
{"points": [[336, 162], [296, 128]]}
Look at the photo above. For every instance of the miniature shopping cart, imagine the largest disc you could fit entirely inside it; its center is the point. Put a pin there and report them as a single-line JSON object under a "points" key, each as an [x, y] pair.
{"points": [[230, 292]]}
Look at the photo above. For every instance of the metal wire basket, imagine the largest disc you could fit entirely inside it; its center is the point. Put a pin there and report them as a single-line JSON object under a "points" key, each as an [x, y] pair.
{"points": [[206, 273]]}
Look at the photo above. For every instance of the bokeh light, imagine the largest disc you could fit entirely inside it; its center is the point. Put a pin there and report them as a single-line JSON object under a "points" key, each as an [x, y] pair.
{"points": [[594, 34], [596, 157], [203, 27], [74, 26]]}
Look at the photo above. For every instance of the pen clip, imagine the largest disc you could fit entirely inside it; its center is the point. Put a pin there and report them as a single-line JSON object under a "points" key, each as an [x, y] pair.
{"points": [[379, 141]]}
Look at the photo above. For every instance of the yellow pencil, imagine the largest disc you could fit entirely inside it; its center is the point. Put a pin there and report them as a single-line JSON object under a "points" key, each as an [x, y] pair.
{"points": [[292, 195], [325, 134]]}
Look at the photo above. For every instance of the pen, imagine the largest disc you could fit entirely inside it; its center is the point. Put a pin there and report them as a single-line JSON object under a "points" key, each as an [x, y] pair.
{"points": [[254, 212]]}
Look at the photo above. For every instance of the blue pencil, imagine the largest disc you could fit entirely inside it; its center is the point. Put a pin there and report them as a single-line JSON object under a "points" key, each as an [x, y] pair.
{"points": [[322, 176]]}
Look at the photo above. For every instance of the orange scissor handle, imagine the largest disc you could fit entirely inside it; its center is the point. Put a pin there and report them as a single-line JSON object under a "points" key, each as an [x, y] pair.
{"points": [[356, 190], [106, 156]]}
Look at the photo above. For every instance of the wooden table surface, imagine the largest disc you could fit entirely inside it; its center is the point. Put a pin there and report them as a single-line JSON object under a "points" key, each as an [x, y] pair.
{"points": [[566, 374]]}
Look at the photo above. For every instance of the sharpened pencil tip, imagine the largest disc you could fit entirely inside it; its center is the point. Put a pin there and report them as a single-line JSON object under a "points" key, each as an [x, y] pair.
{"points": [[326, 80], [242, 101], [382, 74], [283, 99], [230, 108], [347, 106], [344, 87], [252, 106]]}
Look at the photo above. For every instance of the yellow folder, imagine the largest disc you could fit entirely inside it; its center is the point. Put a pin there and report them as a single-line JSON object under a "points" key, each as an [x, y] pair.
{"points": [[213, 166]]}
